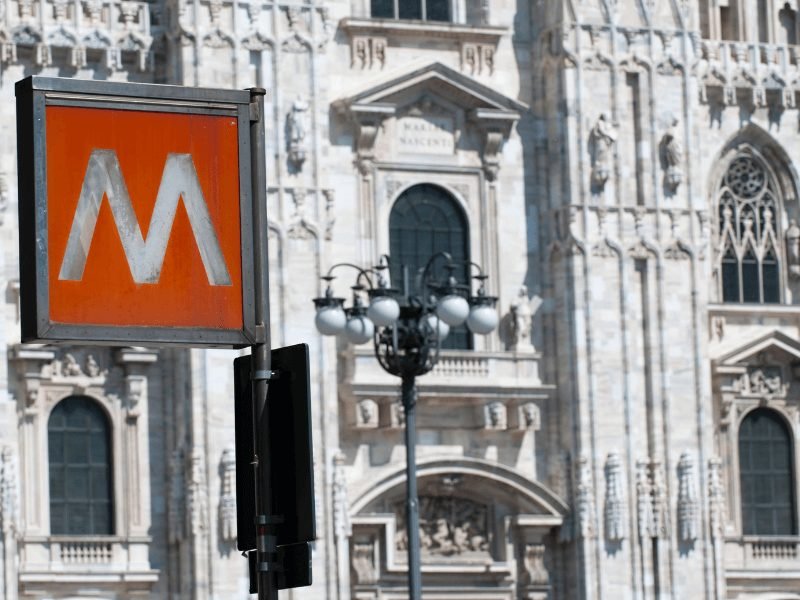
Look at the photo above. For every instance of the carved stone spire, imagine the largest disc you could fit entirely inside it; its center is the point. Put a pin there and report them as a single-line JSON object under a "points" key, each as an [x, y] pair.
{"points": [[687, 500], [616, 508], [644, 500], [341, 515], [176, 496], [8, 491], [584, 499], [227, 504], [196, 503], [716, 498]]}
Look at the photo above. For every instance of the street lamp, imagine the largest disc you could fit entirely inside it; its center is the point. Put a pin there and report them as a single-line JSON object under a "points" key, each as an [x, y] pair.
{"points": [[407, 331]]}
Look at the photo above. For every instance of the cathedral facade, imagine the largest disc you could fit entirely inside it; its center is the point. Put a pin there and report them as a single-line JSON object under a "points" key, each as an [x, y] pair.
{"points": [[626, 174]]}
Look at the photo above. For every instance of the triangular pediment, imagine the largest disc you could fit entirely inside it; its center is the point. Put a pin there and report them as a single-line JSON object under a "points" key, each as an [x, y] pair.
{"points": [[434, 79], [770, 343]]}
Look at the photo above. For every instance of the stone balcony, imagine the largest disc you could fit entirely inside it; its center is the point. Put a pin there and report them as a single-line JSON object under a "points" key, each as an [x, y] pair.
{"points": [[57, 561], [466, 390], [753, 562]]}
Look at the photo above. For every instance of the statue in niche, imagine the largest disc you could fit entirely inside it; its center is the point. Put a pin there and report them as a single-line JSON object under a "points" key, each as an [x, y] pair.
{"points": [[602, 139], [793, 249], [522, 311], [297, 126], [672, 155]]}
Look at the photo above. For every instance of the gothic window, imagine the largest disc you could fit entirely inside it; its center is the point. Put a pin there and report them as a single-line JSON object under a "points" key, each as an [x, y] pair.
{"points": [[426, 220], [749, 256], [79, 443], [765, 469], [426, 10]]}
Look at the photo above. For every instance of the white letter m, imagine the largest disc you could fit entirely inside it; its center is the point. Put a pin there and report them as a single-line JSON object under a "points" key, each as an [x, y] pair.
{"points": [[145, 257]]}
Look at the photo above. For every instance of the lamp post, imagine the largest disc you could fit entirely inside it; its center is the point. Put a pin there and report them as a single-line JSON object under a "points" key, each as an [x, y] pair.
{"points": [[407, 330]]}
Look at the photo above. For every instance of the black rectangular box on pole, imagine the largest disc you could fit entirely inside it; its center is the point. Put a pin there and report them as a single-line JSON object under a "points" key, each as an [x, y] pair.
{"points": [[292, 484]]}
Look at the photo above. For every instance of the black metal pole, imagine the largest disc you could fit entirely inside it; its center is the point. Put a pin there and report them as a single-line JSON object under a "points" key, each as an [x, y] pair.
{"points": [[266, 539], [412, 502]]}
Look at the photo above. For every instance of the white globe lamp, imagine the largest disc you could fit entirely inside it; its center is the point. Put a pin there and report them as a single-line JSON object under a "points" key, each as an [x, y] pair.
{"points": [[482, 319], [452, 309], [383, 310], [439, 327], [358, 329]]}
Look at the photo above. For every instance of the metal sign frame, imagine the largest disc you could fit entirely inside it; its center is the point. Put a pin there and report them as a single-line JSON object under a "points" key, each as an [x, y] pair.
{"points": [[34, 94]]}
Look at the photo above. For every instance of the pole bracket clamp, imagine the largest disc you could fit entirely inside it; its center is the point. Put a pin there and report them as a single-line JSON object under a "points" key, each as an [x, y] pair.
{"points": [[264, 375]]}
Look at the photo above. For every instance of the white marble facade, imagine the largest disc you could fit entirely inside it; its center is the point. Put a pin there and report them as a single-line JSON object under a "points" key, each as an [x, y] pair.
{"points": [[588, 449]]}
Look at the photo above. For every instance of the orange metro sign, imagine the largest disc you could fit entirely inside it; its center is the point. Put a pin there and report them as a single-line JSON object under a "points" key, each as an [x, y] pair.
{"points": [[135, 204]]}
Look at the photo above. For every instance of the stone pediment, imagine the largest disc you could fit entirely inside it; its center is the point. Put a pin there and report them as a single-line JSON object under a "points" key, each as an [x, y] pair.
{"points": [[439, 80], [753, 351], [493, 114]]}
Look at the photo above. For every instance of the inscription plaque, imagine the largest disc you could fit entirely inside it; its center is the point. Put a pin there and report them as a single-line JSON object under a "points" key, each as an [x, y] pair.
{"points": [[426, 135]]}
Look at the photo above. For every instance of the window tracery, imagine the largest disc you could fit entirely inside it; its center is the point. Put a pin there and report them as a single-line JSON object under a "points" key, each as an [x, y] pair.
{"points": [[749, 248]]}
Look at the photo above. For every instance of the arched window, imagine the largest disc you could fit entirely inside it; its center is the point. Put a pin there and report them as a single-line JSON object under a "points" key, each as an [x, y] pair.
{"points": [[426, 220], [765, 470], [750, 249], [79, 442]]}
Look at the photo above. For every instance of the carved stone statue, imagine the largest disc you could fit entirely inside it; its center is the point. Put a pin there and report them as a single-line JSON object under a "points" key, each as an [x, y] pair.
{"points": [[495, 415], [367, 414], [71, 368], [672, 150], [793, 249], [602, 139], [522, 310], [530, 416], [297, 128]]}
